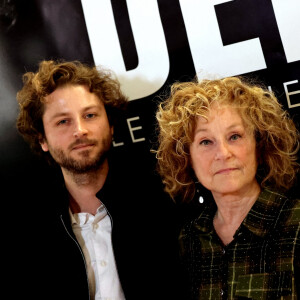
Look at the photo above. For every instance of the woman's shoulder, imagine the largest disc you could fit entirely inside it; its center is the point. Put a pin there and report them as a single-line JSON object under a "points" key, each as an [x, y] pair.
{"points": [[288, 208], [280, 198]]}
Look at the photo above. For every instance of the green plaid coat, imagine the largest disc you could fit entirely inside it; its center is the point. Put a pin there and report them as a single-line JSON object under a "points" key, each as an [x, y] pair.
{"points": [[262, 261]]}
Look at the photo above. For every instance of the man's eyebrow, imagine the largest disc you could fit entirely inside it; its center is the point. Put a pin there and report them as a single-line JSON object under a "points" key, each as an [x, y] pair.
{"points": [[91, 107], [59, 115], [66, 113]]}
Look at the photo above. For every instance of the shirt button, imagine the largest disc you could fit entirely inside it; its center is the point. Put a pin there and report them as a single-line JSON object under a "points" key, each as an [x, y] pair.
{"points": [[223, 251], [103, 263], [221, 292]]}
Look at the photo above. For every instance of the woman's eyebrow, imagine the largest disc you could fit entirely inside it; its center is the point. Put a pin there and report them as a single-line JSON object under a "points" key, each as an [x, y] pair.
{"points": [[228, 128]]}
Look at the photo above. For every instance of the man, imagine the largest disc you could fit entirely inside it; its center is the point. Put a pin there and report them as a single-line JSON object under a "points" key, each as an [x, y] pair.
{"points": [[67, 112]]}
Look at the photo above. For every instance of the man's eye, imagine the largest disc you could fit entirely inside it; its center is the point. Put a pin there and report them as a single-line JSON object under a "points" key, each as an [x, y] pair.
{"points": [[61, 122], [89, 116]]}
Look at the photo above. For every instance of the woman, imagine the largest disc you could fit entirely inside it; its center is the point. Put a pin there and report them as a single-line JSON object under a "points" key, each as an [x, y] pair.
{"points": [[233, 139]]}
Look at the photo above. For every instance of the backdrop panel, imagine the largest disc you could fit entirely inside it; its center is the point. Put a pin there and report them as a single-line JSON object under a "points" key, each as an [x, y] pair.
{"points": [[149, 44]]}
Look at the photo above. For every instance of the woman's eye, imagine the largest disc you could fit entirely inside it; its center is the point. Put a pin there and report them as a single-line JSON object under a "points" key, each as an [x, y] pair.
{"points": [[235, 137], [205, 142]]}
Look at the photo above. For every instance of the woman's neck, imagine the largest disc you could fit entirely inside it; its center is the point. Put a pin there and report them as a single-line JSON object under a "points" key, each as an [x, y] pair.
{"points": [[232, 210]]}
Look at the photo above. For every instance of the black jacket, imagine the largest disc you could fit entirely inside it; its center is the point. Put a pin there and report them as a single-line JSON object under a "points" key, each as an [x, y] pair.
{"points": [[144, 236]]}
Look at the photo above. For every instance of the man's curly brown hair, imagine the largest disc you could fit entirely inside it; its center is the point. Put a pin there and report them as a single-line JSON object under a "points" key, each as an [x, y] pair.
{"points": [[53, 74], [277, 138]]}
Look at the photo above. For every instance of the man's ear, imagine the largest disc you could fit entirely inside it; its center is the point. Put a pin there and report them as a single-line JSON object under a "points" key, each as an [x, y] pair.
{"points": [[43, 143]]}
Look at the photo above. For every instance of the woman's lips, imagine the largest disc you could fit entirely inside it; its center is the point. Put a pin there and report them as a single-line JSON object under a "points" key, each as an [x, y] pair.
{"points": [[226, 171]]}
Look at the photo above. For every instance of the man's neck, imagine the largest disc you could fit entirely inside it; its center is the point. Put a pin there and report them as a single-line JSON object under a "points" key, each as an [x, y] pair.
{"points": [[83, 188]]}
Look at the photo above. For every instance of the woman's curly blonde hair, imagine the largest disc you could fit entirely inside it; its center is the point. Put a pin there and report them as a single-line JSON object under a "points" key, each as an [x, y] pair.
{"points": [[53, 74], [277, 138]]}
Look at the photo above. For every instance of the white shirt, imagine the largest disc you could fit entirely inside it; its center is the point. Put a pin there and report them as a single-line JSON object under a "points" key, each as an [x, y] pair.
{"points": [[94, 236]]}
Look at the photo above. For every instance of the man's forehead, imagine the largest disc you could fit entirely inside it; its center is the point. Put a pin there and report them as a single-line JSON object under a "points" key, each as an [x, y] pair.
{"points": [[68, 99]]}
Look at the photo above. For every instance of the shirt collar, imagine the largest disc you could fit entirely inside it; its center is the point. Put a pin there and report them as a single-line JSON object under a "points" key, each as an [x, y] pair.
{"points": [[84, 218], [204, 222], [259, 219], [264, 212]]}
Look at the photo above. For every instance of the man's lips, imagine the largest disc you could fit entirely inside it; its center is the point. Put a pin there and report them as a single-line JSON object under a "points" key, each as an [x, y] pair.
{"points": [[82, 146], [225, 171]]}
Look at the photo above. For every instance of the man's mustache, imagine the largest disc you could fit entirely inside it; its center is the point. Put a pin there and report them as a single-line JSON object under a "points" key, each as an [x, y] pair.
{"points": [[81, 142]]}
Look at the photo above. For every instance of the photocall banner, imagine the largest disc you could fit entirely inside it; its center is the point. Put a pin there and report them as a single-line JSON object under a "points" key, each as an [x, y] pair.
{"points": [[149, 44]]}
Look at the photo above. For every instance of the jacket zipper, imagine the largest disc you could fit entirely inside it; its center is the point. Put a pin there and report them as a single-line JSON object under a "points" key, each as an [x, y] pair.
{"points": [[75, 241]]}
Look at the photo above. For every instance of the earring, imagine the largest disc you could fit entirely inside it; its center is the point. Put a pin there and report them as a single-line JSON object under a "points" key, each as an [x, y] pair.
{"points": [[199, 191], [201, 199]]}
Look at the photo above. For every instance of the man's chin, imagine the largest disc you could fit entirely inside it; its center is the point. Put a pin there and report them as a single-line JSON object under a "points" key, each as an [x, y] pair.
{"points": [[79, 154], [80, 168], [83, 165]]}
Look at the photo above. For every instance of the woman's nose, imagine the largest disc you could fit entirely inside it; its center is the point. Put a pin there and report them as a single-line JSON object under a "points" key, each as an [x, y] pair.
{"points": [[222, 150]]}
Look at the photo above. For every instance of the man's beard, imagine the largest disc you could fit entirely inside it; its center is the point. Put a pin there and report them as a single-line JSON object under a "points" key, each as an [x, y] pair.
{"points": [[85, 164]]}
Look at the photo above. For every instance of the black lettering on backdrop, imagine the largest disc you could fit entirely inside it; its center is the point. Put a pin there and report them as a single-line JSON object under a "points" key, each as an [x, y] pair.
{"points": [[242, 20], [181, 62], [125, 34], [175, 34]]}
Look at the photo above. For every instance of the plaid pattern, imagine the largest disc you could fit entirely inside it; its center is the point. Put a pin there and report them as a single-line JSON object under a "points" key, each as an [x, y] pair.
{"points": [[262, 262]]}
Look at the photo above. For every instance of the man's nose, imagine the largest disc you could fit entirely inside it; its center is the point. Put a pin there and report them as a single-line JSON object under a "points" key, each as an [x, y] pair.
{"points": [[79, 129]]}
